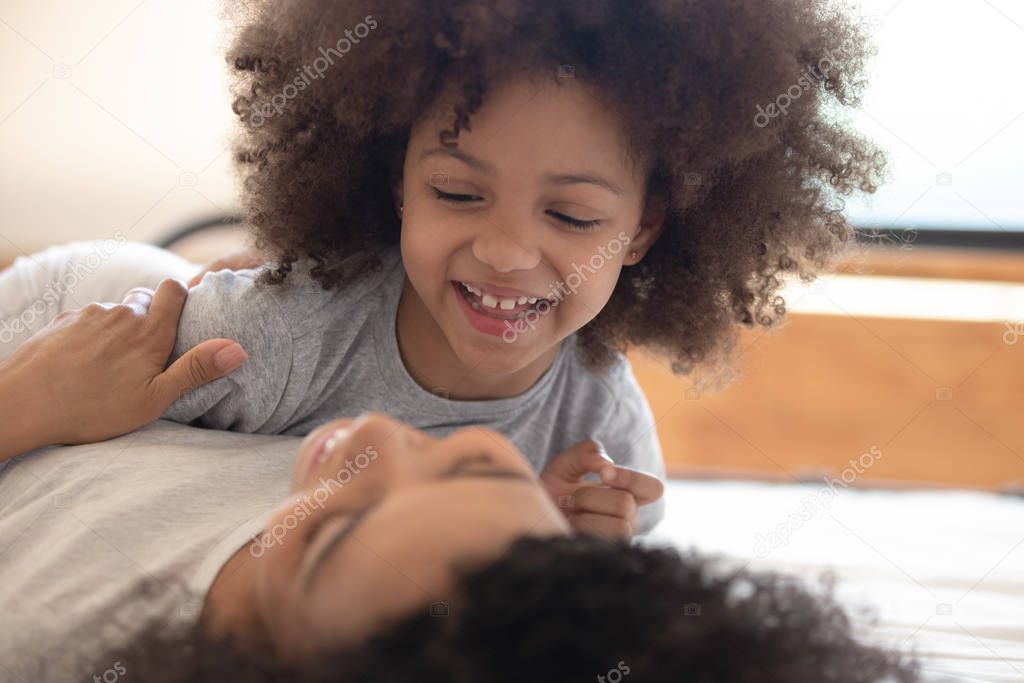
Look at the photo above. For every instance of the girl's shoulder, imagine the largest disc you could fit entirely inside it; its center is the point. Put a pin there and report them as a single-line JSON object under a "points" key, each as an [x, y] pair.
{"points": [[301, 297], [614, 377]]}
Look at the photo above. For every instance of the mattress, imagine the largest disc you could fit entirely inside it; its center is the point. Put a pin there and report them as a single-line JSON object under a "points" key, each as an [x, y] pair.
{"points": [[939, 574]]}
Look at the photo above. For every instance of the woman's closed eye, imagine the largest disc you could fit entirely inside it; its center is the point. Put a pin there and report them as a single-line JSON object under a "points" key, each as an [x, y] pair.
{"points": [[463, 467], [459, 467], [577, 224]]}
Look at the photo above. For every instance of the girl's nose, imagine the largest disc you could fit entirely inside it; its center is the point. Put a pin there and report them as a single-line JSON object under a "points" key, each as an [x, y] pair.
{"points": [[504, 249]]}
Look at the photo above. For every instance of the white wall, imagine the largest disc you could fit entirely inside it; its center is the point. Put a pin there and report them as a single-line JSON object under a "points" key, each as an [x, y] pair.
{"points": [[114, 115]]}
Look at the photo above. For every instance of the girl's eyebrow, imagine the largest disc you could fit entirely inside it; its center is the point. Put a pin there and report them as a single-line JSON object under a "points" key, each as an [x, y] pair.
{"points": [[551, 178], [360, 516]]}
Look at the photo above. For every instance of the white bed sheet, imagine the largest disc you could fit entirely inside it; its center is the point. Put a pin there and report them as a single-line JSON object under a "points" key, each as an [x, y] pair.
{"points": [[943, 570]]}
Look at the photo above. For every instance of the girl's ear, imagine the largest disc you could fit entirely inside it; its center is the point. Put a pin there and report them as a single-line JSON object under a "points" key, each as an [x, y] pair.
{"points": [[397, 186], [651, 223]]}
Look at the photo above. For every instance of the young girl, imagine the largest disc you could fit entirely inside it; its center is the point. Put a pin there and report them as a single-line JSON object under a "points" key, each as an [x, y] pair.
{"points": [[475, 207], [472, 209]]}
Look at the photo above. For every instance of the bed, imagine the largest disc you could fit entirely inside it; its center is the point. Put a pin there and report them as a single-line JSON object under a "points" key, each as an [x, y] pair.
{"points": [[943, 570]]}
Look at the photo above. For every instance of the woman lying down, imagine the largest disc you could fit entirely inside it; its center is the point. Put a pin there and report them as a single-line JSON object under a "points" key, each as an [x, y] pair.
{"points": [[379, 553]]}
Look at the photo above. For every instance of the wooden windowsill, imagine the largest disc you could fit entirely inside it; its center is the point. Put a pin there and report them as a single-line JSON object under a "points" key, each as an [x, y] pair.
{"points": [[928, 371], [936, 262]]}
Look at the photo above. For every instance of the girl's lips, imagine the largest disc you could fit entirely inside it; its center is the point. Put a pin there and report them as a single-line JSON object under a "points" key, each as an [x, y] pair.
{"points": [[483, 322]]}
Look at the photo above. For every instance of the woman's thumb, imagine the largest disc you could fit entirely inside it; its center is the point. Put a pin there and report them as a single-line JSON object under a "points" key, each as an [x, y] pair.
{"points": [[202, 364]]}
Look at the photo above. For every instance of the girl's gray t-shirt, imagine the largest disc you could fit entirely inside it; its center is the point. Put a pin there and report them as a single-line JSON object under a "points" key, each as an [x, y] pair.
{"points": [[316, 355]]}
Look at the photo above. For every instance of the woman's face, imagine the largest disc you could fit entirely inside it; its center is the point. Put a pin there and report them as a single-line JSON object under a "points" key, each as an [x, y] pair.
{"points": [[538, 200], [379, 513]]}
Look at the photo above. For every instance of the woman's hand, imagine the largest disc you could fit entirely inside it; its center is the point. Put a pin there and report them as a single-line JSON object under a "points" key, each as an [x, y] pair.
{"points": [[250, 257], [608, 509], [99, 372]]}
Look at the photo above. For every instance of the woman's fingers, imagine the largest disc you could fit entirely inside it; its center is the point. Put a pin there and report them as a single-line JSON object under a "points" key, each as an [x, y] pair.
{"points": [[202, 364], [138, 299], [166, 304]]}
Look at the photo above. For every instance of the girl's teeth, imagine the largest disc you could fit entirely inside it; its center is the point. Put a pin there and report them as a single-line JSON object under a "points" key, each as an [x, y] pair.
{"points": [[491, 301]]}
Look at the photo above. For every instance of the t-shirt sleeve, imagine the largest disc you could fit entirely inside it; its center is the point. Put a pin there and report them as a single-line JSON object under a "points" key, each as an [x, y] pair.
{"points": [[630, 437], [230, 305]]}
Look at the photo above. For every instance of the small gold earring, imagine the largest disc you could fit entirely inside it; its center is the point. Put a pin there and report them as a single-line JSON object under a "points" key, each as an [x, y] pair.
{"points": [[634, 254], [401, 209]]}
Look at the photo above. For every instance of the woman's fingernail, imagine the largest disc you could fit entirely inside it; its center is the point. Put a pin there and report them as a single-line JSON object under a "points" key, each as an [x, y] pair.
{"points": [[608, 474], [229, 357]]}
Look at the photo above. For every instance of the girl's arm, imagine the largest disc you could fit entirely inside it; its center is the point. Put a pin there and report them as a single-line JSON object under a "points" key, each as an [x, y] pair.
{"points": [[98, 372]]}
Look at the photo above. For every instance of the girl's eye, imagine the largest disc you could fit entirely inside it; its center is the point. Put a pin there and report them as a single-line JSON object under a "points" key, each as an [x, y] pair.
{"points": [[581, 226], [445, 196]]}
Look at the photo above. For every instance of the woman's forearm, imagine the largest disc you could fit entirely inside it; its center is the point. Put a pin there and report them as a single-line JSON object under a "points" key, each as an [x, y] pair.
{"points": [[22, 419]]}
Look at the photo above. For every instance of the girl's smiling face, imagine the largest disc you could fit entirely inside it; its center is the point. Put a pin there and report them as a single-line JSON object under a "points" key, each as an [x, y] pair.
{"points": [[515, 238]]}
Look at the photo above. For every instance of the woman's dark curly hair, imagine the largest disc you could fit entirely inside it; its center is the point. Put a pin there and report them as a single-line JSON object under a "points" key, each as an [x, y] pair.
{"points": [[730, 104], [564, 609]]}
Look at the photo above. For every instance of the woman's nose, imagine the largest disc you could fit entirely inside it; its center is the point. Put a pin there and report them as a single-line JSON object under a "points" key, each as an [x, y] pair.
{"points": [[385, 433]]}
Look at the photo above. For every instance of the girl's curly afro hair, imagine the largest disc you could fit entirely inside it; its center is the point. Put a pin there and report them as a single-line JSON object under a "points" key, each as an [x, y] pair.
{"points": [[733, 106], [573, 608]]}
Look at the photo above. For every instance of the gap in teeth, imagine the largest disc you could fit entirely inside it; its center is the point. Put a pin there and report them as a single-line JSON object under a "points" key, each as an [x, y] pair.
{"points": [[504, 303], [473, 298]]}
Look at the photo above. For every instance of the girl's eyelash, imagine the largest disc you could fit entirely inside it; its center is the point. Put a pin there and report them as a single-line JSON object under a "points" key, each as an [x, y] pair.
{"points": [[583, 226]]}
